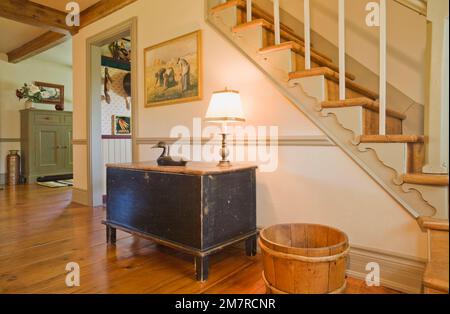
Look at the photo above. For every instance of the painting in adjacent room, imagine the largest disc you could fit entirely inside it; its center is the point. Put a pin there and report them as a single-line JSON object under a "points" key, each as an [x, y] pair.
{"points": [[173, 71]]}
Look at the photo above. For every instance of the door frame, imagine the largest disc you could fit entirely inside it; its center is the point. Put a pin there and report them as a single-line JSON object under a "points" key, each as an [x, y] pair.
{"points": [[93, 110]]}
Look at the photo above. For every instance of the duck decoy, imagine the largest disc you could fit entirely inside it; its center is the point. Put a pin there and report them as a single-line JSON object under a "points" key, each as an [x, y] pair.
{"points": [[165, 159]]}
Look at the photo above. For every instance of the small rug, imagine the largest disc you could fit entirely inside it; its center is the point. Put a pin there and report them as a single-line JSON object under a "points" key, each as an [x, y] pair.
{"points": [[56, 184]]}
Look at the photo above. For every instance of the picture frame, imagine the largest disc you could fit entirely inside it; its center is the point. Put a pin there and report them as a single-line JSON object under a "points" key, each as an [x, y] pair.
{"points": [[174, 71], [121, 125], [56, 94]]}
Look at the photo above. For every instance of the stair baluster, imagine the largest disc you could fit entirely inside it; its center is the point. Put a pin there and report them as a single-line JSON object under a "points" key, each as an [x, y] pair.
{"points": [[249, 11], [342, 50], [382, 115], [276, 14], [307, 20]]}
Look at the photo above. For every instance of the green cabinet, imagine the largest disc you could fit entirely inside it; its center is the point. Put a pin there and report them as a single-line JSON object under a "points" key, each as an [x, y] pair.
{"points": [[46, 143]]}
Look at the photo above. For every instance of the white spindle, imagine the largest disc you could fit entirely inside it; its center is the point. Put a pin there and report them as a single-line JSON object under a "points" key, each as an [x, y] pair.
{"points": [[307, 35], [342, 49], [276, 14], [383, 46], [249, 11]]}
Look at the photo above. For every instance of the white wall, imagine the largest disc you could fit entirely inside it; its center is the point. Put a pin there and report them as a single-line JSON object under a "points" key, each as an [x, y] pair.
{"points": [[312, 184], [12, 77]]}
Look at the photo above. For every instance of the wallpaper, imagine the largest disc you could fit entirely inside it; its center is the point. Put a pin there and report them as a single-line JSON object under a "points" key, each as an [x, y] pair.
{"points": [[118, 104]]}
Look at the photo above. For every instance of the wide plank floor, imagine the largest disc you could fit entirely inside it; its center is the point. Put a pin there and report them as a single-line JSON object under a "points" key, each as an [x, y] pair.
{"points": [[41, 231]]}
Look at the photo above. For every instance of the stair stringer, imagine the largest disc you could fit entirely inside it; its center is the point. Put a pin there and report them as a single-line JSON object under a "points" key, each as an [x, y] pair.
{"points": [[307, 94]]}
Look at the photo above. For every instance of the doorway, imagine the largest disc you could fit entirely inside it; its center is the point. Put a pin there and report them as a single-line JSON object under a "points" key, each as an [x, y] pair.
{"points": [[109, 80]]}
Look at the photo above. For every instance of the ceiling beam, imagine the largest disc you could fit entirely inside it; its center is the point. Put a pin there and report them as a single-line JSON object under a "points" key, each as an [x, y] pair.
{"points": [[50, 39], [35, 14], [40, 44], [101, 9]]}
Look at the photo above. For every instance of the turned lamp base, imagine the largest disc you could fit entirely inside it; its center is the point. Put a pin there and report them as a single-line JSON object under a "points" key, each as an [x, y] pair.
{"points": [[224, 152]]}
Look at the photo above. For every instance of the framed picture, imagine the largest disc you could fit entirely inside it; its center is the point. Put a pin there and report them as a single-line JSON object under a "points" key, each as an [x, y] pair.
{"points": [[173, 71], [54, 93], [121, 125]]}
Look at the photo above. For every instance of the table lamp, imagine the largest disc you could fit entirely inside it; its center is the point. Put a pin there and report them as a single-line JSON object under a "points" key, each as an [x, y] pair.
{"points": [[225, 107]]}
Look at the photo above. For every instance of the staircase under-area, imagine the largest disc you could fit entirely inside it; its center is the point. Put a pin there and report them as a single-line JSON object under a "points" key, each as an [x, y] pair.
{"points": [[356, 118]]}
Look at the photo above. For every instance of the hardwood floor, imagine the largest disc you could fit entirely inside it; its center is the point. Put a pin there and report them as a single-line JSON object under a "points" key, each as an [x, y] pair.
{"points": [[41, 231]]}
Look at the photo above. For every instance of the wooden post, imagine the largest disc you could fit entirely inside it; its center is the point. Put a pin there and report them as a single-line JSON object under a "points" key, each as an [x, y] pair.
{"points": [[342, 50], [249, 11], [437, 104], [383, 46], [276, 14], [307, 35]]}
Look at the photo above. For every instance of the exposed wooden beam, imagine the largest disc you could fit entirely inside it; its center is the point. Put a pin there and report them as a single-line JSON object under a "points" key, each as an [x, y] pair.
{"points": [[40, 44], [101, 9], [35, 14], [50, 39]]}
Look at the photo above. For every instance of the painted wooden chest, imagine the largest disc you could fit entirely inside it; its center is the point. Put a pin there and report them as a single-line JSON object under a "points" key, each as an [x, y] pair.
{"points": [[198, 209]]}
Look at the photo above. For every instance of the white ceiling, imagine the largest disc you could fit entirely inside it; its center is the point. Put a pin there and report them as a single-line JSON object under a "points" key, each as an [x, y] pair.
{"points": [[15, 34]]}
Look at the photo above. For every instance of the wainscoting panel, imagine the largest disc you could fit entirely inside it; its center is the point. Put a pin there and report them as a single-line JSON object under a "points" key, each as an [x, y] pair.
{"points": [[115, 150]]}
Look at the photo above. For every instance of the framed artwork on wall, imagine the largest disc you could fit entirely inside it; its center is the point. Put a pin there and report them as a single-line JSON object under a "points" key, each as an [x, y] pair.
{"points": [[53, 94], [121, 125], [173, 71]]}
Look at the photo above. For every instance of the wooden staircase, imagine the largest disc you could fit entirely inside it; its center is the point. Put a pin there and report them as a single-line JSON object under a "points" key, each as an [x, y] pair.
{"points": [[395, 161]]}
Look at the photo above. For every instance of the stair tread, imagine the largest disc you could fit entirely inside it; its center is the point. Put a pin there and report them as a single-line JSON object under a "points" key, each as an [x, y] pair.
{"points": [[299, 49], [334, 76], [284, 35], [437, 270], [364, 102], [433, 223], [394, 138], [436, 276], [261, 18], [426, 179], [257, 12]]}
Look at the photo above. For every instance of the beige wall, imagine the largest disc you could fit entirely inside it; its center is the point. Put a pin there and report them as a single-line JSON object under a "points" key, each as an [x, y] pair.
{"points": [[311, 184], [406, 39], [13, 76]]}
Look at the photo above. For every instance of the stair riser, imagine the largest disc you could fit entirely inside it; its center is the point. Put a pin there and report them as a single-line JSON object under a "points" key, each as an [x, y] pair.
{"points": [[282, 60], [333, 91], [372, 122], [416, 157], [363, 121], [229, 17], [300, 63]]}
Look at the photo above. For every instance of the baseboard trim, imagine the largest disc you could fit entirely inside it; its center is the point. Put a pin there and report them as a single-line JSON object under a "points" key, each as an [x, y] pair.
{"points": [[80, 196], [399, 272]]}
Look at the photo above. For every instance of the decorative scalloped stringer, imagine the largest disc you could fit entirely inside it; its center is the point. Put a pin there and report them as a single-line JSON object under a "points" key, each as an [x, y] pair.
{"points": [[392, 155], [436, 196], [350, 118]]}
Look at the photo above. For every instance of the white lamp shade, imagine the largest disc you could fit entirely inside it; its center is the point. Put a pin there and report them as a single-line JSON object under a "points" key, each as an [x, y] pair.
{"points": [[225, 106]]}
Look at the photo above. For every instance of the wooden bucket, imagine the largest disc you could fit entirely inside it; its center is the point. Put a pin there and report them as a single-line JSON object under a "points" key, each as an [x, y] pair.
{"points": [[304, 258]]}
